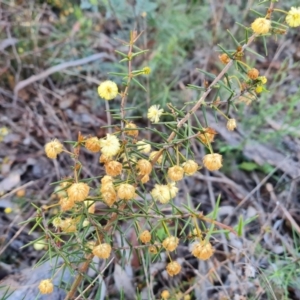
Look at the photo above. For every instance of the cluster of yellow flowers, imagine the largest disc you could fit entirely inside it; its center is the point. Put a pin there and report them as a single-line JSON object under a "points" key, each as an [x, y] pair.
{"points": [[263, 25]]}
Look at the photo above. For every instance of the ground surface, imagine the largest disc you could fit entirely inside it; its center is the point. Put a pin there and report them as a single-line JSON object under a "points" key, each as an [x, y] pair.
{"points": [[261, 171]]}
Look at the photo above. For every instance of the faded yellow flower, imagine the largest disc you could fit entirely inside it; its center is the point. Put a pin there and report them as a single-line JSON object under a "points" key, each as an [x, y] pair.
{"points": [[212, 162], [190, 167], [175, 173], [110, 145], [224, 58], [102, 251], [231, 124], [131, 129], [173, 268], [145, 237], [46, 286], [108, 90], [173, 190], [293, 17], [92, 144], [202, 250], [68, 225], [165, 294], [53, 148], [144, 167], [66, 203], [154, 113], [78, 191], [143, 147], [170, 243], [153, 154], [126, 191], [161, 193], [207, 135], [253, 73], [261, 25], [113, 168]]}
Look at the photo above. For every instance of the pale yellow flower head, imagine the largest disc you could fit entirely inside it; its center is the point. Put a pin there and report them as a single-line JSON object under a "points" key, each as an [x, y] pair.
{"points": [[126, 191], [231, 124], [108, 90], [102, 251], [170, 243], [53, 148], [143, 147], [161, 193], [190, 167], [173, 268], [293, 17], [154, 113], [78, 191], [173, 190], [110, 145], [145, 237], [202, 250], [153, 154], [213, 161], [46, 286], [261, 25]]}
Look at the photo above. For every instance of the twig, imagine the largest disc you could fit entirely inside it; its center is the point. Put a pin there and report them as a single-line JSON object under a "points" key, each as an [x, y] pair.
{"points": [[59, 68]]}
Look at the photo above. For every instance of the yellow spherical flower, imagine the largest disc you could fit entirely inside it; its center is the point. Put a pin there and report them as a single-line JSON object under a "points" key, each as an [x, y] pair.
{"points": [[113, 168], [212, 162], [131, 130], [66, 203], [110, 145], [57, 222], [253, 73], [175, 173], [144, 167], [102, 250], [153, 249], [68, 225], [153, 154], [53, 148], [103, 159], [78, 191], [145, 237], [224, 58], [147, 70], [154, 113], [293, 17], [143, 147], [173, 190], [262, 79], [108, 90], [92, 144], [126, 191], [173, 268], [161, 193], [207, 135], [231, 124], [109, 197], [46, 286], [261, 25], [145, 178], [107, 179], [259, 89], [202, 250], [165, 294], [190, 167], [170, 243]]}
